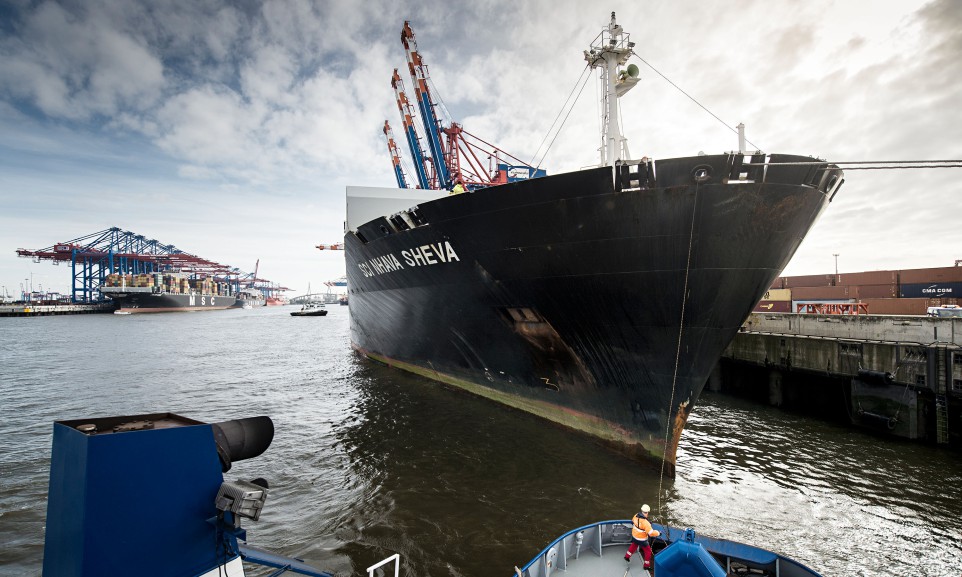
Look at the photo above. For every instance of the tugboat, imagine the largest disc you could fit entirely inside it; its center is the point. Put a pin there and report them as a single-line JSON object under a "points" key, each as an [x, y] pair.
{"points": [[599, 548], [146, 495], [310, 310]]}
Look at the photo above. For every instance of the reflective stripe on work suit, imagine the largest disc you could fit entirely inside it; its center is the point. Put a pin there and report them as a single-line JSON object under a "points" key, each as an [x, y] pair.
{"points": [[640, 528]]}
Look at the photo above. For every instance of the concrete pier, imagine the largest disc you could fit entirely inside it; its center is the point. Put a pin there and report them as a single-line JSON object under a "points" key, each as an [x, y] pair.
{"points": [[38, 310], [898, 375]]}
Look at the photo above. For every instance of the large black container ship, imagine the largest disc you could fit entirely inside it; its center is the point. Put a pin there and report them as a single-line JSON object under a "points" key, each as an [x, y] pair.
{"points": [[599, 299]]}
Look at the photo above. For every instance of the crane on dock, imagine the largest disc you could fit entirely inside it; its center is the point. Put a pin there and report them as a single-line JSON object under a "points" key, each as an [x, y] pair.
{"points": [[422, 162], [94, 256], [455, 154], [402, 181], [432, 124]]}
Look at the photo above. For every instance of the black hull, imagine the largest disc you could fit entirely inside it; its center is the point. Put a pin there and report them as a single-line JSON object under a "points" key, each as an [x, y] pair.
{"points": [[565, 296], [170, 302]]}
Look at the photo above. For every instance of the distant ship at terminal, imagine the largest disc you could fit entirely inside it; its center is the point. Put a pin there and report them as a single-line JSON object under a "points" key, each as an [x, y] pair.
{"points": [[118, 269], [159, 292], [598, 299]]}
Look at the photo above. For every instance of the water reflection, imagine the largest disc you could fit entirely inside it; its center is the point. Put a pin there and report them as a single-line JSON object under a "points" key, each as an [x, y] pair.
{"points": [[462, 486], [368, 461], [832, 497]]}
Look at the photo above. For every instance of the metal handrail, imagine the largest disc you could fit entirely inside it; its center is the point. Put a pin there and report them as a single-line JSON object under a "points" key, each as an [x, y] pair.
{"points": [[397, 566]]}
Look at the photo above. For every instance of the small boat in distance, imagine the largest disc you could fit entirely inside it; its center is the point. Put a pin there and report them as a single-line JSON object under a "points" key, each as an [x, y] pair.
{"points": [[311, 310]]}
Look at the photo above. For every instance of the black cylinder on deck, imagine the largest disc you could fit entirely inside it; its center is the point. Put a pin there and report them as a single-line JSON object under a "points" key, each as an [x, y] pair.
{"points": [[882, 377], [242, 439]]}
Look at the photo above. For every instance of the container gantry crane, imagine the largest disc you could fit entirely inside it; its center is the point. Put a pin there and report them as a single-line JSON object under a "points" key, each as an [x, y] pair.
{"points": [[455, 153], [422, 162], [432, 124], [402, 181], [94, 256]]}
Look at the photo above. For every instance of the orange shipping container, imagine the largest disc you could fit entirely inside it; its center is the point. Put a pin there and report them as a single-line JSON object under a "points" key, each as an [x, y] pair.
{"points": [[877, 291], [896, 306], [821, 293], [931, 275], [810, 280], [869, 277]]}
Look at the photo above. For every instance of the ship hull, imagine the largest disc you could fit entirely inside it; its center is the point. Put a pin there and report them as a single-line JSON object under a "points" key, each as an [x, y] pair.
{"points": [[598, 303], [170, 302]]}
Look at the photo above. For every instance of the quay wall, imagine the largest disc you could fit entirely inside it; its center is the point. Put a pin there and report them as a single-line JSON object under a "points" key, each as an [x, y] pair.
{"points": [[899, 375], [29, 310]]}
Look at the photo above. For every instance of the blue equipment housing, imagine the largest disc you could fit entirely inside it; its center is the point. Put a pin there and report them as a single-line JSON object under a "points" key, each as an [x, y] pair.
{"points": [[517, 173], [686, 558], [137, 494]]}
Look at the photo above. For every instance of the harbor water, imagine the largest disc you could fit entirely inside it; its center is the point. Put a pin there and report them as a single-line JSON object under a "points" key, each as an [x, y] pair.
{"points": [[368, 461]]}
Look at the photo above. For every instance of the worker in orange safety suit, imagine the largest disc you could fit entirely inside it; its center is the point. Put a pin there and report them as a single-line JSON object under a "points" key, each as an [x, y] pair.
{"points": [[640, 531]]}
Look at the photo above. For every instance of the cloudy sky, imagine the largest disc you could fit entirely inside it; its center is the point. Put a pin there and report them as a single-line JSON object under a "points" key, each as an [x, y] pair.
{"points": [[230, 129]]}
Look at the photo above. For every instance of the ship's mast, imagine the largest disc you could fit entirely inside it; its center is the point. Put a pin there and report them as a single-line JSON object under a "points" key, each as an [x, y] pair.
{"points": [[609, 51]]}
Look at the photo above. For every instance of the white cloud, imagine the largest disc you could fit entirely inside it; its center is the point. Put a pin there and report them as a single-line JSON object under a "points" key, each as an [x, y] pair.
{"points": [[207, 103], [76, 68]]}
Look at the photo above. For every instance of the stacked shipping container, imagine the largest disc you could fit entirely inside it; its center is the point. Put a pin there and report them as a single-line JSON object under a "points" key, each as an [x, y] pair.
{"points": [[886, 292], [169, 283]]}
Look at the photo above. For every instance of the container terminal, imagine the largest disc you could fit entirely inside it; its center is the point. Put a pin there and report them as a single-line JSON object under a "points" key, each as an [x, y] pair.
{"points": [[114, 268], [880, 292], [881, 349]]}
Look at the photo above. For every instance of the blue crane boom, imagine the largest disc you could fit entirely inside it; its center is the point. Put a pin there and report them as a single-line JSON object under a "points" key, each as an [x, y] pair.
{"points": [[432, 126], [407, 120], [395, 156], [455, 154]]}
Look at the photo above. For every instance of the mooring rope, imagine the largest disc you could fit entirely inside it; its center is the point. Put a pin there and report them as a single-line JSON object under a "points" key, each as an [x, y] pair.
{"points": [[681, 328]]}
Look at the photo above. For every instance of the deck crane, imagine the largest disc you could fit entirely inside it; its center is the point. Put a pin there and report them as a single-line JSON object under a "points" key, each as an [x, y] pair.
{"points": [[395, 156], [455, 153], [421, 162], [432, 125]]}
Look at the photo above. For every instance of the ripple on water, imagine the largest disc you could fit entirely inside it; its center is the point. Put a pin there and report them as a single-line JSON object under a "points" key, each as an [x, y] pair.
{"points": [[368, 461]]}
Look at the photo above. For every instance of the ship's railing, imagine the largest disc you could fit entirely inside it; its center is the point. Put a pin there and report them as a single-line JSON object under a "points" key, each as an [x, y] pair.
{"points": [[728, 168], [396, 558]]}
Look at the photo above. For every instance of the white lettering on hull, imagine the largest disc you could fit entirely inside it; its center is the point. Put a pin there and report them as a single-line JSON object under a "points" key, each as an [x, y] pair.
{"points": [[424, 255]]}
